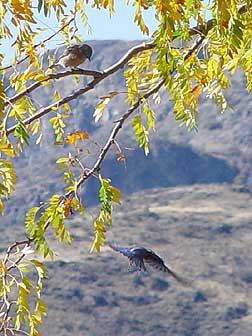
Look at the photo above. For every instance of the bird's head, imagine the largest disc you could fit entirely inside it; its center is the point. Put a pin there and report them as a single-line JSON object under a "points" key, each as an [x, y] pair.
{"points": [[86, 50]]}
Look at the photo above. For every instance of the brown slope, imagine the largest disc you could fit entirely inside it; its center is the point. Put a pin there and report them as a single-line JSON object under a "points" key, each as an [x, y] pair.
{"points": [[202, 232]]}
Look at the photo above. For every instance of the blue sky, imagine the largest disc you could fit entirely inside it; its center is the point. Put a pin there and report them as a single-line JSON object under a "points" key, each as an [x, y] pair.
{"points": [[119, 26]]}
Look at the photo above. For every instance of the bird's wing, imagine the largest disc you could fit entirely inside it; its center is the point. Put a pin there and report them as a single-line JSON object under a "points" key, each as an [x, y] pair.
{"points": [[124, 250], [69, 50], [156, 262]]}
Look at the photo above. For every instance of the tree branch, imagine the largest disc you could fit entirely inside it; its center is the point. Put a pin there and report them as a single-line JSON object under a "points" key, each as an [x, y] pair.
{"points": [[98, 77], [121, 121], [13, 246], [58, 75], [107, 72], [7, 304]]}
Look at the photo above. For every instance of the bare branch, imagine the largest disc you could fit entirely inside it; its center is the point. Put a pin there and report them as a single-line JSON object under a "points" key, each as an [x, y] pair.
{"points": [[13, 246], [20, 332], [58, 75]]}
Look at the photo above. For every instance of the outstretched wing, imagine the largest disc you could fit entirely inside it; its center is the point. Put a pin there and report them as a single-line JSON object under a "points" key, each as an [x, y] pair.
{"points": [[156, 262], [124, 250]]}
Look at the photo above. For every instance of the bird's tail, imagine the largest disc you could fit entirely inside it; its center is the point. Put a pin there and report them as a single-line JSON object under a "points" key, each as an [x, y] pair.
{"points": [[183, 281]]}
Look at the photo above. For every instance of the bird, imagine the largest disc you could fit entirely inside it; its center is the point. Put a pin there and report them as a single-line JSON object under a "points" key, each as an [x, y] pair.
{"points": [[139, 256], [74, 56]]}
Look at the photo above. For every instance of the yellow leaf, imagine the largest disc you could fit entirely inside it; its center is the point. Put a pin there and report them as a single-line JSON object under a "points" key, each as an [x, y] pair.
{"points": [[7, 149], [22, 10], [82, 134], [3, 268], [223, 11], [104, 100], [72, 138], [1, 206], [121, 158]]}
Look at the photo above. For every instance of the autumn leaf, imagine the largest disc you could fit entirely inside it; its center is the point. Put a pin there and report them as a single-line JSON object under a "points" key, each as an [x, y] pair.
{"points": [[72, 138], [7, 149], [67, 209]]}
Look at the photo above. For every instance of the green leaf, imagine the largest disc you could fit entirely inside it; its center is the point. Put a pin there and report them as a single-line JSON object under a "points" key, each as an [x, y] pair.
{"points": [[22, 135], [7, 149], [99, 230], [141, 134], [108, 194], [30, 221], [41, 269], [150, 115]]}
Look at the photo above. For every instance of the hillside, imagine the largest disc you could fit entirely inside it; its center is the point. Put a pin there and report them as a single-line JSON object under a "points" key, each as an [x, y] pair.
{"points": [[203, 233]]}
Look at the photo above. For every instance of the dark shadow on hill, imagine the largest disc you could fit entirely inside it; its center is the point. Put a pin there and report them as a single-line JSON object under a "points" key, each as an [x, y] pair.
{"points": [[169, 165]]}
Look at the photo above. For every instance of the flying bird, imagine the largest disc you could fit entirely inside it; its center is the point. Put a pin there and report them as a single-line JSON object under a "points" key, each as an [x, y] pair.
{"points": [[139, 256], [74, 56]]}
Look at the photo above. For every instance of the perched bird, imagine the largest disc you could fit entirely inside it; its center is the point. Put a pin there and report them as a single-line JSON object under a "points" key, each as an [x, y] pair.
{"points": [[74, 56], [139, 256]]}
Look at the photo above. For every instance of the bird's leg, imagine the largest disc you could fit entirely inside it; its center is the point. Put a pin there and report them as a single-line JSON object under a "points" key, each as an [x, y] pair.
{"points": [[138, 265], [130, 265], [142, 265]]}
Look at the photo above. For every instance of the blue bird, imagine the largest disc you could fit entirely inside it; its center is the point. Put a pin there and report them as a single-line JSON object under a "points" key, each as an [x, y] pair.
{"points": [[74, 56], [139, 256]]}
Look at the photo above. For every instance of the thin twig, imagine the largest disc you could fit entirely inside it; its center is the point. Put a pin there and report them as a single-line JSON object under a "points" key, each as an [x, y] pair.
{"points": [[14, 245], [21, 332], [40, 43]]}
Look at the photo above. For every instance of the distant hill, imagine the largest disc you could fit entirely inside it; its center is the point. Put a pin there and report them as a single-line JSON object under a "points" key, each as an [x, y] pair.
{"points": [[219, 152], [203, 232]]}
